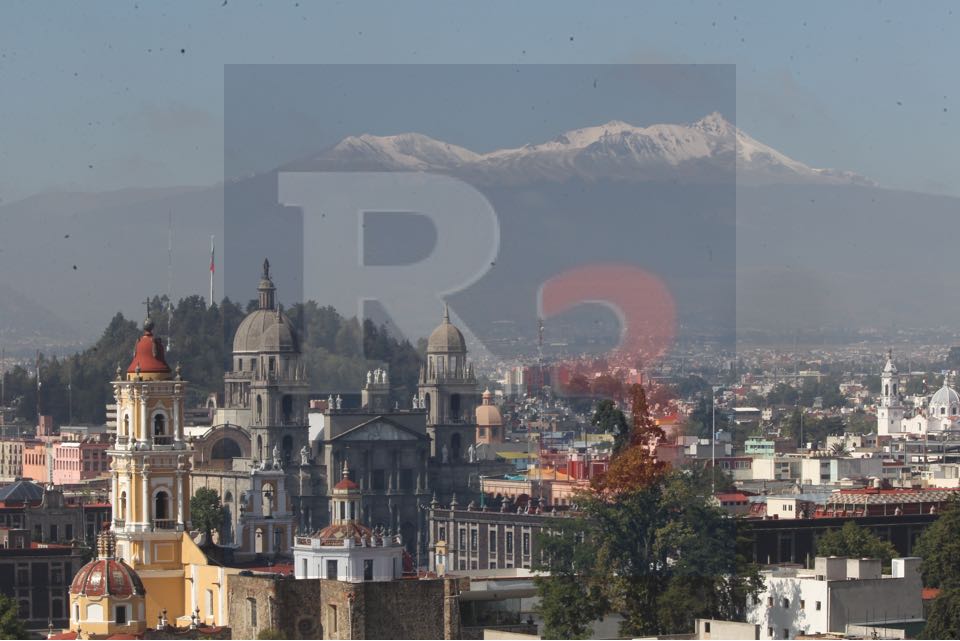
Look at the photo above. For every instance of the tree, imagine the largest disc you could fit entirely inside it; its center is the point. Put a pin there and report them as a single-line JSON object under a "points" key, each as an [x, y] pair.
{"points": [[271, 633], [943, 619], [206, 513], [939, 547], [570, 596], [655, 548], [839, 449], [11, 625], [851, 540], [608, 419]]}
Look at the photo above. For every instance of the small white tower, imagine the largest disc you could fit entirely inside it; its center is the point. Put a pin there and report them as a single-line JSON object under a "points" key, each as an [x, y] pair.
{"points": [[889, 410]]}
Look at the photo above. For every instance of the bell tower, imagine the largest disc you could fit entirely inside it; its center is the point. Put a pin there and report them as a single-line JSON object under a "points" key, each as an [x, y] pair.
{"points": [[889, 409], [448, 392], [150, 459]]}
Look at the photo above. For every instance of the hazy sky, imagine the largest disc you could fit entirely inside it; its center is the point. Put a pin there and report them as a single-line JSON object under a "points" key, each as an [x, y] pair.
{"points": [[105, 96]]}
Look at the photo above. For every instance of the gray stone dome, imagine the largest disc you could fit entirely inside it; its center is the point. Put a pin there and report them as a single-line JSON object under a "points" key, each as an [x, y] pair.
{"points": [[266, 330], [446, 338]]}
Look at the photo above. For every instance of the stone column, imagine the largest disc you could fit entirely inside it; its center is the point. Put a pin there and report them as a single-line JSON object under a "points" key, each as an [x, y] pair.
{"points": [[180, 522], [177, 432], [144, 427]]}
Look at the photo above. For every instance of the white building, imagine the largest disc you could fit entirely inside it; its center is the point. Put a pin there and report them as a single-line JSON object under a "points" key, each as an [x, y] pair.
{"points": [[941, 413], [347, 550], [838, 592]]}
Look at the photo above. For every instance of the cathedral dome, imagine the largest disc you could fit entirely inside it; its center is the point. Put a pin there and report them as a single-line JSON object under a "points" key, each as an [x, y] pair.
{"points": [[446, 338], [945, 401], [266, 330], [149, 355]]}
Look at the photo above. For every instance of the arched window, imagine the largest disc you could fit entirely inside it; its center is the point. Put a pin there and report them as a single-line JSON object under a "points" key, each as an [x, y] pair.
{"points": [[287, 447], [123, 507], [267, 494], [260, 446], [126, 425], [259, 409], [161, 508], [455, 407], [886, 390], [455, 447], [159, 425], [225, 448], [228, 497]]}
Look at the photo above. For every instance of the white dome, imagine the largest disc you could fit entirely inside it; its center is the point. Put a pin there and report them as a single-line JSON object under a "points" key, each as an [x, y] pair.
{"points": [[945, 402]]}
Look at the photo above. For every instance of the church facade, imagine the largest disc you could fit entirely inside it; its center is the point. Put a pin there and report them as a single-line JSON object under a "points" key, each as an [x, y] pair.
{"points": [[940, 413], [399, 456]]}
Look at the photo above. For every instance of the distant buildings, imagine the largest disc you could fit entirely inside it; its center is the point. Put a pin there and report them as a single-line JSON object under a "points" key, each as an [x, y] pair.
{"points": [[37, 576]]}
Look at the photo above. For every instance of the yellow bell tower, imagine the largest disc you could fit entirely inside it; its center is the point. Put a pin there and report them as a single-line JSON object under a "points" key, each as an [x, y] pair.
{"points": [[151, 473]]}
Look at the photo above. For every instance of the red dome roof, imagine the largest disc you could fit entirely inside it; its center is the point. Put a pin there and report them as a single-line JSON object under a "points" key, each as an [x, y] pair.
{"points": [[149, 354], [346, 484], [107, 577], [337, 534]]}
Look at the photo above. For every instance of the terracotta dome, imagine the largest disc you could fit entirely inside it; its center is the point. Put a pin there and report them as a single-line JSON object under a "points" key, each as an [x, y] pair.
{"points": [[488, 414], [446, 338], [346, 484], [339, 532], [107, 577], [149, 354]]}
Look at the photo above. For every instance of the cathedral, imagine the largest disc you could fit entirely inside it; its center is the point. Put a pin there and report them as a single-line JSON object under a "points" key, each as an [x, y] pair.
{"points": [[399, 457], [940, 413]]}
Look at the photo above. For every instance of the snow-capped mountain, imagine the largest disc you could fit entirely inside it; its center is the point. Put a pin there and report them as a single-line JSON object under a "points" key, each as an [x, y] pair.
{"points": [[613, 150]]}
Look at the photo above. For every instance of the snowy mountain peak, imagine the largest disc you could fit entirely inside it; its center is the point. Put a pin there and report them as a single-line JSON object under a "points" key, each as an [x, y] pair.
{"points": [[615, 149]]}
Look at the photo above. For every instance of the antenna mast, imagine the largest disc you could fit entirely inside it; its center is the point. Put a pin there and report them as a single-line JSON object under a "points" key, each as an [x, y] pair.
{"points": [[169, 280]]}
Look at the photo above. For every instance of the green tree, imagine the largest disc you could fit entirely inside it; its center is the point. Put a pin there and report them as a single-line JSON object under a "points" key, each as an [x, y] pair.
{"points": [[570, 596], [943, 619], [271, 633], [854, 541], [206, 512], [11, 625], [939, 547], [609, 419], [655, 548]]}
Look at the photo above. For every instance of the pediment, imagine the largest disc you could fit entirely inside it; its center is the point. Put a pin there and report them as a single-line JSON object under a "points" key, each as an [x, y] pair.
{"points": [[380, 429]]}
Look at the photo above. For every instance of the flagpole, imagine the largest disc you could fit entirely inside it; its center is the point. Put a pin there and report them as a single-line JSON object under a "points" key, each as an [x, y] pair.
{"points": [[212, 270]]}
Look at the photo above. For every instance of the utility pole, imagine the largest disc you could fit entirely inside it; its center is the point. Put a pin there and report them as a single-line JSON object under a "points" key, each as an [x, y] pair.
{"points": [[713, 440]]}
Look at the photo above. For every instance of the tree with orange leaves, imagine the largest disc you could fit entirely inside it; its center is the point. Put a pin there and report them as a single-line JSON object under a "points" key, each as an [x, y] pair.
{"points": [[651, 544], [634, 465]]}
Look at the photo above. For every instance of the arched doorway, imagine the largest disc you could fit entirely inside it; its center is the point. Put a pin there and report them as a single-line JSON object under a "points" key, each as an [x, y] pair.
{"points": [[287, 446]]}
